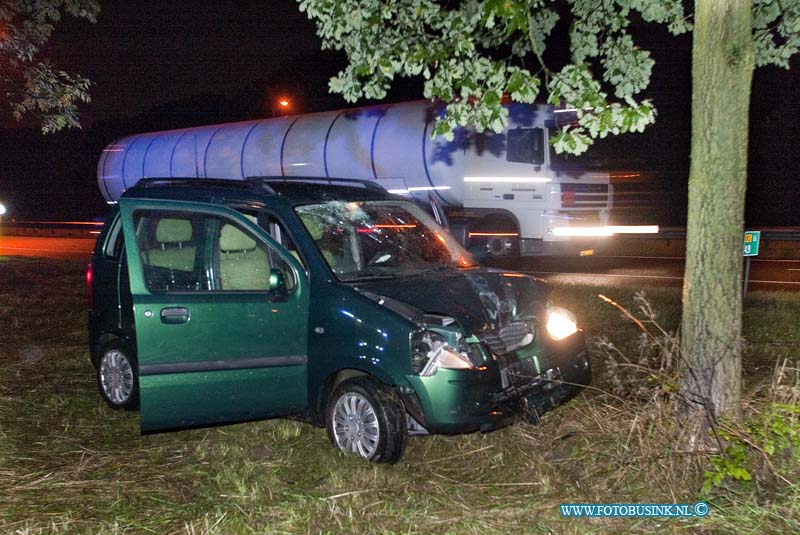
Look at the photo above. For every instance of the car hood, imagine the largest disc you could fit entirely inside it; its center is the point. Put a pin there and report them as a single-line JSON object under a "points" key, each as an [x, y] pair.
{"points": [[480, 300]]}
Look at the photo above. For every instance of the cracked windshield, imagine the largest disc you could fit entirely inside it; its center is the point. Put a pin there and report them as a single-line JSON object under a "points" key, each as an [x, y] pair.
{"points": [[380, 239]]}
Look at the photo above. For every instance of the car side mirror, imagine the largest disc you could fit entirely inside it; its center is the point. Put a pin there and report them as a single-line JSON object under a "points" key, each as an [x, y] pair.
{"points": [[277, 285]]}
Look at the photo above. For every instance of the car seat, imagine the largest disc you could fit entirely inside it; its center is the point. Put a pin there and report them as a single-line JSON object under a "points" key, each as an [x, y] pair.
{"points": [[316, 228], [175, 248], [243, 265]]}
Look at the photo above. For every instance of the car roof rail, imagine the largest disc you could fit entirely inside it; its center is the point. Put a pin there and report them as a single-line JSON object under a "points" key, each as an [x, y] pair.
{"points": [[151, 182], [333, 181]]}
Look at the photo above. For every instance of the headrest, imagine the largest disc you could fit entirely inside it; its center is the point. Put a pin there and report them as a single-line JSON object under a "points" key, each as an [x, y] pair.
{"points": [[173, 230], [233, 239]]}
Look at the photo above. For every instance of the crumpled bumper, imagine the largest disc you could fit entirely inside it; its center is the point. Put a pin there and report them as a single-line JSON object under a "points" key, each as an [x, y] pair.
{"points": [[564, 374], [486, 398]]}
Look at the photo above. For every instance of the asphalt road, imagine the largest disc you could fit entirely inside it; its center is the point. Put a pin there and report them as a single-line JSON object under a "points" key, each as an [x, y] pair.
{"points": [[774, 275], [46, 247]]}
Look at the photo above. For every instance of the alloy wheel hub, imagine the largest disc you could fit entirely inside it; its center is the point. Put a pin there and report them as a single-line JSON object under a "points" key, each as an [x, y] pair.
{"points": [[116, 376], [355, 425]]}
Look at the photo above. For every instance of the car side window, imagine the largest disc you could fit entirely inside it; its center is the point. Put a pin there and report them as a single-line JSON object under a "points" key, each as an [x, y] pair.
{"points": [[277, 231], [242, 261], [171, 250], [114, 241], [184, 251]]}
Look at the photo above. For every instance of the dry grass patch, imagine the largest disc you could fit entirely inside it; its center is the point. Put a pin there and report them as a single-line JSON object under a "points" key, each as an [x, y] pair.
{"points": [[68, 464]]}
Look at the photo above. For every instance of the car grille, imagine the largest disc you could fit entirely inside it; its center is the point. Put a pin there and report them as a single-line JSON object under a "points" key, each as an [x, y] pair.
{"points": [[515, 372], [510, 337]]}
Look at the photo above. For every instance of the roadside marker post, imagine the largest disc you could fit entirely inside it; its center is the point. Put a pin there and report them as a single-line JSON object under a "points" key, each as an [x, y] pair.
{"points": [[752, 239]]}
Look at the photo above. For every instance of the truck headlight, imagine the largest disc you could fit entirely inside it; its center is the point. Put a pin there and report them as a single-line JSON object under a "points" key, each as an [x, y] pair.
{"points": [[429, 352], [561, 323]]}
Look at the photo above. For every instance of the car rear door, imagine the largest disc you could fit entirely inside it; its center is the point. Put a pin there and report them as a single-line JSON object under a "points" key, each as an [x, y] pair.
{"points": [[214, 342]]}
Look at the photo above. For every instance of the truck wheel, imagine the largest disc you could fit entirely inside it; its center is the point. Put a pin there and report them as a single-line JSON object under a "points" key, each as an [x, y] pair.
{"points": [[368, 419], [494, 247], [117, 377]]}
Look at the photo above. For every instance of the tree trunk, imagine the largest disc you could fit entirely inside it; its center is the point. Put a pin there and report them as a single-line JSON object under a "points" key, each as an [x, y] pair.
{"points": [[722, 68]]}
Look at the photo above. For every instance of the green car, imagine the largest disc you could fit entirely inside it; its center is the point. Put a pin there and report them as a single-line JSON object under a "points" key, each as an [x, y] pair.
{"points": [[216, 301]]}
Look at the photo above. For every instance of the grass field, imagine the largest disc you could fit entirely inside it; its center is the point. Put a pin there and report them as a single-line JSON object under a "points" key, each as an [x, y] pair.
{"points": [[68, 464]]}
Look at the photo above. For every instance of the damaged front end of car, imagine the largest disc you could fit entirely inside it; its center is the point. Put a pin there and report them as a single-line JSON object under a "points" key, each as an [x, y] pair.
{"points": [[522, 356]]}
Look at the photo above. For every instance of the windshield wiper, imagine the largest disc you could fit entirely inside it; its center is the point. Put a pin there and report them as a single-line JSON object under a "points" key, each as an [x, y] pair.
{"points": [[367, 278], [448, 267], [368, 274]]}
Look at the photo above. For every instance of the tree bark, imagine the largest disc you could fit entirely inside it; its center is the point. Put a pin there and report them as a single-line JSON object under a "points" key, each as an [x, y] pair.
{"points": [[722, 69]]}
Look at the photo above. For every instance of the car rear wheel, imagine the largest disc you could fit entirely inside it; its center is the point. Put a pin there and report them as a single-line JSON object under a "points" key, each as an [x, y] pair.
{"points": [[368, 419], [117, 377]]}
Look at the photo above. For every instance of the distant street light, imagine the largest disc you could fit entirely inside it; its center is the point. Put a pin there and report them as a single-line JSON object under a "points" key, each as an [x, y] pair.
{"points": [[2, 209], [281, 106]]}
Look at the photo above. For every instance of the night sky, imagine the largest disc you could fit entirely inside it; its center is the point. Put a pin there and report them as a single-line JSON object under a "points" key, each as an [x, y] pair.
{"points": [[144, 54], [160, 65]]}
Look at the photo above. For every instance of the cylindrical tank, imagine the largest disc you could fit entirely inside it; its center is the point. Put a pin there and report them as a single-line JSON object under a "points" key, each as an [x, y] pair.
{"points": [[507, 183], [390, 144]]}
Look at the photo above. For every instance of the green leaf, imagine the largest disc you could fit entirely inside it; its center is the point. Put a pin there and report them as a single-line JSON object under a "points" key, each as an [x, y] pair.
{"points": [[739, 473], [34, 87]]}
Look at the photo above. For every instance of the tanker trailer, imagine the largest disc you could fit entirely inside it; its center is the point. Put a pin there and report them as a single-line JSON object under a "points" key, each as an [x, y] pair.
{"points": [[504, 194]]}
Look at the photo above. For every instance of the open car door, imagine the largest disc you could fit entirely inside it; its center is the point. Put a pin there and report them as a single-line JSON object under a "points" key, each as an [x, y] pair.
{"points": [[220, 313]]}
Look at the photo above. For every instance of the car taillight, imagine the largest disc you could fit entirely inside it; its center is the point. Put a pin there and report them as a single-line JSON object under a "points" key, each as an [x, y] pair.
{"points": [[89, 293], [568, 198]]}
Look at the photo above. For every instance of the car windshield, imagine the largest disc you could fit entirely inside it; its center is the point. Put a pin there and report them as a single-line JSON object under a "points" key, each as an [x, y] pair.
{"points": [[380, 239]]}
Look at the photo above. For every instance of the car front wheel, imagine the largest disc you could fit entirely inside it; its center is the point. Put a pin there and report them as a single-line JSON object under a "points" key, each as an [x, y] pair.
{"points": [[117, 377], [368, 419]]}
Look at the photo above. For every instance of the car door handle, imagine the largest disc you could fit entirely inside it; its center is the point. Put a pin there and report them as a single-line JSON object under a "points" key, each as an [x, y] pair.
{"points": [[174, 315]]}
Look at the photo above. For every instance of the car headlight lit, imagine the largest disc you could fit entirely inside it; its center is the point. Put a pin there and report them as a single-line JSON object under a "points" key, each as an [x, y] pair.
{"points": [[429, 352], [561, 323]]}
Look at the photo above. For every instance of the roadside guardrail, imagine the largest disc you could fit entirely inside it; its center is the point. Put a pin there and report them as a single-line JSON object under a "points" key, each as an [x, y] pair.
{"points": [[767, 233], [89, 228], [776, 242]]}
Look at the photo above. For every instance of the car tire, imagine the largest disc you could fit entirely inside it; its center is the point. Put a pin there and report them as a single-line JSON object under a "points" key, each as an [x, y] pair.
{"points": [[118, 376], [368, 419]]}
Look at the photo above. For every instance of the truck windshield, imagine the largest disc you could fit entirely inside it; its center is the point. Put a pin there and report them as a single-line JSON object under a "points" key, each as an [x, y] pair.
{"points": [[380, 239]]}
